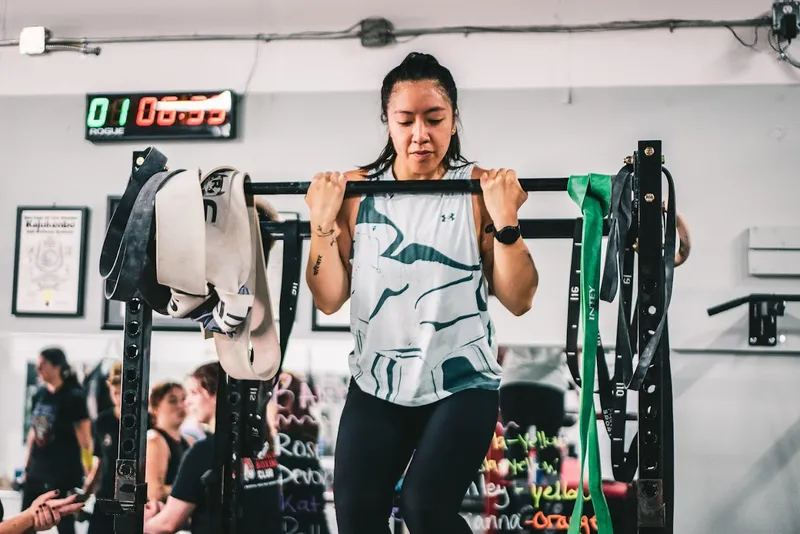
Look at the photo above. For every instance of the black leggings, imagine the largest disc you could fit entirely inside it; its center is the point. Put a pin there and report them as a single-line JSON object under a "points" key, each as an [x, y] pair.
{"points": [[448, 440]]}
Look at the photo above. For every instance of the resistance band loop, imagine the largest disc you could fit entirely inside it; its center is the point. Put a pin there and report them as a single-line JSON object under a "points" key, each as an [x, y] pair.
{"points": [[592, 194]]}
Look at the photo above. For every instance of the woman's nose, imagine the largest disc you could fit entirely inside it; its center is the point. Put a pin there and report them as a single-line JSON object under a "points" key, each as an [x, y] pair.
{"points": [[420, 131]]}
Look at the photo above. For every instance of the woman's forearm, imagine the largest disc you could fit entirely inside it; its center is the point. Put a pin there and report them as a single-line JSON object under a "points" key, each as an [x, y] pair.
{"points": [[22, 522], [684, 240], [91, 483], [514, 276], [326, 274]]}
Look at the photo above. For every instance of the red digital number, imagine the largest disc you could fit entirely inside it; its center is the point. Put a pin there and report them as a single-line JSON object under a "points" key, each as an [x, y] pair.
{"points": [[146, 114], [167, 118], [196, 117], [216, 117]]}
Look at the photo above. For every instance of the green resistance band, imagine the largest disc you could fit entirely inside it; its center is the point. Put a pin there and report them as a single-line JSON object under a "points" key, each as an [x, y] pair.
{"points": [[593, 194]]}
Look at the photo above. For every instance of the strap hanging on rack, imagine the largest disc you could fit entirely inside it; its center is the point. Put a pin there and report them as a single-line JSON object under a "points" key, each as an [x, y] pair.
{"points": [[290, 288], [592, 194], [613, 398], [621, 223], [620, 252]]}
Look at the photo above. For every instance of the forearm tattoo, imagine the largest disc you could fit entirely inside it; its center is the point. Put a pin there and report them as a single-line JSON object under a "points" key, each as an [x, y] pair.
{"points": [[324, 233], [317, 264]]}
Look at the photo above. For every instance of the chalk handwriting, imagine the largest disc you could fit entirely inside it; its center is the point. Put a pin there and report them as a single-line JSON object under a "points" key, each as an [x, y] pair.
{"points": [[539, 441], [296, 448], [310, 477], [490, 490], [540, 521], [537, 521], [309, 506], [514, 467], [556, 492], [292, 526]]}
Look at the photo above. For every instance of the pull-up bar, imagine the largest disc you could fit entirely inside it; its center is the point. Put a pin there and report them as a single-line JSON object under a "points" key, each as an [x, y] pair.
{"points": [[405, 186], [529, 228]]}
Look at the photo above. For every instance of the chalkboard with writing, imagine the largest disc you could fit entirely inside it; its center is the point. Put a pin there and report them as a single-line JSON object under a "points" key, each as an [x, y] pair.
{"points": [[527, 482]]}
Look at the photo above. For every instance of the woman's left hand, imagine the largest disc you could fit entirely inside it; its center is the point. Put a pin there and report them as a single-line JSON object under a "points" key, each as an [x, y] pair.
{"points": [[503, 196]]}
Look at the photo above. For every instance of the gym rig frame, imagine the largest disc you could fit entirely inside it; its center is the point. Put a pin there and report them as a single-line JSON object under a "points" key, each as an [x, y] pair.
{"points": [[236, 420]]}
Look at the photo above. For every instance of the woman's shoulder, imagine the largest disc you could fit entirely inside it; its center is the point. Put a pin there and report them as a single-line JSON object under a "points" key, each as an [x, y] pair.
{"points": [[154, 435]]}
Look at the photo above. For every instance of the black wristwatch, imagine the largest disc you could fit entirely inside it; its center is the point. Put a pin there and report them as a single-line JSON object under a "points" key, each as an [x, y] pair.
{"points": [[508, 235]]}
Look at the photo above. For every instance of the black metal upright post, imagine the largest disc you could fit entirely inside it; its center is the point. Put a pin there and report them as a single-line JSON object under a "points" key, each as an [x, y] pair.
{"points": [[131, 490], [648, 198], [235, 433]]}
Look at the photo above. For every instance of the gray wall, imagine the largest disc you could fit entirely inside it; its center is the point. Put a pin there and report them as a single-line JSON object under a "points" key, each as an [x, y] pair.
{"points": [[731, 150]]}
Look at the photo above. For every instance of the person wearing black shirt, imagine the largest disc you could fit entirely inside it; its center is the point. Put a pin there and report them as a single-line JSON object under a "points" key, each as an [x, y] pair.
{"points": [[60, 438], [106, 447], [189, 498]]}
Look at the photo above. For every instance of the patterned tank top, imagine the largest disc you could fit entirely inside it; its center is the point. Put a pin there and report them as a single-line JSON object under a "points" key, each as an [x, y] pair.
{"points": [[418, 302]]}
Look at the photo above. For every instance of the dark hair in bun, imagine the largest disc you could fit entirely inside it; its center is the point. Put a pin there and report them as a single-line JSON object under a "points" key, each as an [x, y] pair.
{"points": [[415, 67]]}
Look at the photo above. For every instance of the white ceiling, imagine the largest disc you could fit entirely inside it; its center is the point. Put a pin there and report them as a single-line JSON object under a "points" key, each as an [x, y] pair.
{"points": [[103, 18]]}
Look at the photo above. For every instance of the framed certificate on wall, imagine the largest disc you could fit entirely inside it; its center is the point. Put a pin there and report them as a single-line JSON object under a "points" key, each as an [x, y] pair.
{"points": [[50, 261]]}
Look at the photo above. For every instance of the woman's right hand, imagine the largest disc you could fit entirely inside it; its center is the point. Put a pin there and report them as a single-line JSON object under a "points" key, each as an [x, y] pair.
{"points": [[324, 198], [47, 511]]}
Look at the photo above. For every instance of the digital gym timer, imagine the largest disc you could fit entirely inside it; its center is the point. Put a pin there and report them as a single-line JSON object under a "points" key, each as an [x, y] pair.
{"points": [[134, 117]]}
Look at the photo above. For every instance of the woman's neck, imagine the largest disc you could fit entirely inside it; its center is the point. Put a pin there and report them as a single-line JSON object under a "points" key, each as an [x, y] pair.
{"points": [[402, 172], [173, 432], [55, 385]]}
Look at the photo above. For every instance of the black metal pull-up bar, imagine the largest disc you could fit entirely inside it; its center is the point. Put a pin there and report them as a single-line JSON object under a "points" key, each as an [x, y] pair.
{"points": [[367, 187], [530, 228]]}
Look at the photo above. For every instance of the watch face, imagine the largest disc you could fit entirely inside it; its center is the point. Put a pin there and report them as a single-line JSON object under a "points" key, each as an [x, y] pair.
{"points": [[508, 235]]}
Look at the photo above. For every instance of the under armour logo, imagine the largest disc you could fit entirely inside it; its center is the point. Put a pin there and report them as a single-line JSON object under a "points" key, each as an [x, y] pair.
{"points": [[451, 217]]}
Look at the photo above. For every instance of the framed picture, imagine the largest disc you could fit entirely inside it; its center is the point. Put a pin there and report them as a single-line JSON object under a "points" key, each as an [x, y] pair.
{"points": [[114, 310], [337, 322], [50, 261]]}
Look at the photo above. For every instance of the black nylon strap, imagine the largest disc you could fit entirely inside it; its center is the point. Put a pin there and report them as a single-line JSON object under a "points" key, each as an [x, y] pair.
{"points": [[574, 303], [290, 282], [290, 288], [646, 355], [613, 395], [133, 267], [119, 286]]}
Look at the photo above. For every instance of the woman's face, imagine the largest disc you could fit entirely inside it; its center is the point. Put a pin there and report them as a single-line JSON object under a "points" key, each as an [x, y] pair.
{"points": [[48, 372], [171, 411], [200, 404], [421, 124]]}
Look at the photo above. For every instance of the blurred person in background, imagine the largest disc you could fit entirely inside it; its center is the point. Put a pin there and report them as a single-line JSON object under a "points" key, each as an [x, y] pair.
{"points": [[101, 479], [188, 499], [166, 444], [59, 443]]}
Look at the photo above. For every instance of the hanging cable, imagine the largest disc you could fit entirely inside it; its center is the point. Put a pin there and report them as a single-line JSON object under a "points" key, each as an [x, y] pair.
{"points": [[377, 32]]}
